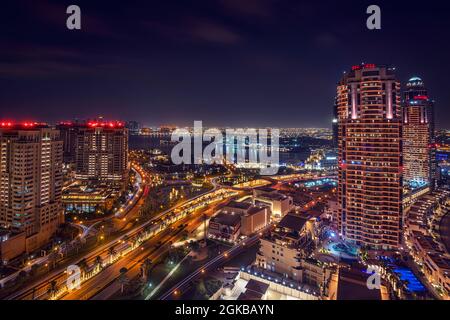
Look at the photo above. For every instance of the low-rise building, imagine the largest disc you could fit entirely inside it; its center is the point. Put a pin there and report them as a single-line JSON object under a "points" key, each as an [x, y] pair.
{"points": [[253, 283], [255, 219], [238, 219], [285, 251], [225, 227], [237, 207], [89, 199], [279, 203], [331, 211], [352, 285], [254, 290], [427, 250], [12, 245]]}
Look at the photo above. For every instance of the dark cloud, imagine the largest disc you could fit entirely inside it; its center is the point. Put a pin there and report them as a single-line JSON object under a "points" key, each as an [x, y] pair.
{"points": [[249, 8], [195, 30], [326, 40], [260, 62], [213, 32]]}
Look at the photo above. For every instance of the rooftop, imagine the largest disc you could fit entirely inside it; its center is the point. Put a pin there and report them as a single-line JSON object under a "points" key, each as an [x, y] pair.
{"points": [[227, 219], [352, 285], [254, 210], [273, 196], [257, 287], [265, 189], [239, 205], [293, 222]]}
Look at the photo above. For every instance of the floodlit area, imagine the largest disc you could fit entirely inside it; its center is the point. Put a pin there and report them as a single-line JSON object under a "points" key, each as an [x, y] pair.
{"points": [[240, 288]]}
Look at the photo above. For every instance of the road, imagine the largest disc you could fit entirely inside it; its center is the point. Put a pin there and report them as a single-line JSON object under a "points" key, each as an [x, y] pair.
{"points": [[39, 288], [104, 285], [212, 264], [87, 229]]}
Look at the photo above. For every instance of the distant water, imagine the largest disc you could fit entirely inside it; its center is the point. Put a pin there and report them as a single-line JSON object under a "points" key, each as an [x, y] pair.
{"points": [[150, 142]]}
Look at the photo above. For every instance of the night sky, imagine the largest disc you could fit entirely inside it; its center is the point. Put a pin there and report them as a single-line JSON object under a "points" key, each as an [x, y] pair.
{"points": [[226, 62]]}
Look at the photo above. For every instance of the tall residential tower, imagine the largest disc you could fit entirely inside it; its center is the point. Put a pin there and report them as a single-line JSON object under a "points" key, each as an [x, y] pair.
{"points": [[101, 151], [418, 135], [31, 181], [370, 157]]}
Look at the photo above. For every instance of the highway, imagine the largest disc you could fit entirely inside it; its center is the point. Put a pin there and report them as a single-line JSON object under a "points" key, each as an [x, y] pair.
{"points": [[102, 281], [38, 289], [87, 229], [212, 264], [106, 284]]}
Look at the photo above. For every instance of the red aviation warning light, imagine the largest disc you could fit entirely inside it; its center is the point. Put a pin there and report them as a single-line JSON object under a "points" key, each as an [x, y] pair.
{"points": [[110, 124], [364, 66], [369, 66], [26, 124], [6, 124]]}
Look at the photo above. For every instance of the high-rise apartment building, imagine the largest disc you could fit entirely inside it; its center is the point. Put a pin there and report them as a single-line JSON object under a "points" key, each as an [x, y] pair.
{"points": [[418, 135], [370, 157], [102, 151], [31, 181], [69, 133]]}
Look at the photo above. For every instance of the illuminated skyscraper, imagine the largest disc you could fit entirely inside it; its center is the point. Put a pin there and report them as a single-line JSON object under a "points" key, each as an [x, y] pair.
{"points": [[418, 135], [370, 157], [102, 151], [31, 182]]}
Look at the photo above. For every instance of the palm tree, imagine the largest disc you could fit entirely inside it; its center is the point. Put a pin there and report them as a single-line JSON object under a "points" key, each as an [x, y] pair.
{"points": [[194, 245], [112, 252], [52, 288], [145, 269], [99, 262], [185, 235], [134, 241], [123, 278], [83, 266]]}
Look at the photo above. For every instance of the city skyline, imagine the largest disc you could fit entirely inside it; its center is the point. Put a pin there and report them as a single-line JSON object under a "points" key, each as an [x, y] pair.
{"points": [[226, 63], [224, 151]]}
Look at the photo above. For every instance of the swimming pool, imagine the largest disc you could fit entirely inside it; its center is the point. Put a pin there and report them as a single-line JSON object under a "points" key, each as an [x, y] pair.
{"points": [[414, 285], [343, 250]]}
